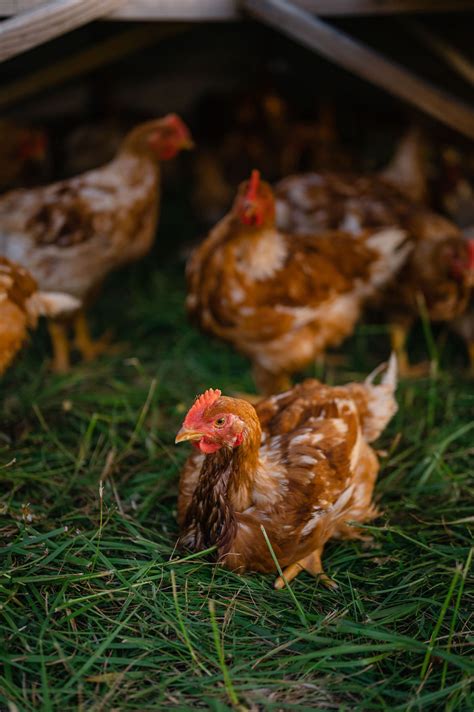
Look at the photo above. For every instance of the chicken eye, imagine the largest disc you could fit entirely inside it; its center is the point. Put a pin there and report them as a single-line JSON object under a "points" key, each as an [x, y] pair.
{"points": [[219, 423]]}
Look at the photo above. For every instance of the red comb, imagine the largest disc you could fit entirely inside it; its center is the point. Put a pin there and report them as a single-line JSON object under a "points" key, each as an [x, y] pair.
{"points": [[254, 184], [201, 404], [172, 119]]}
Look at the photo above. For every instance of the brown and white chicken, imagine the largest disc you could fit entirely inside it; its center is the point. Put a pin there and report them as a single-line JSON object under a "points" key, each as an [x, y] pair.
{"points": [[438, 270], [297, 468], [71, 234], [21, 304], [283, 299]]}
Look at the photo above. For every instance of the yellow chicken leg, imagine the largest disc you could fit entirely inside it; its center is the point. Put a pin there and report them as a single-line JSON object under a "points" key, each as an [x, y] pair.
{"points": [[60, 344], [89, 348], [398, 339], [312, 564]]}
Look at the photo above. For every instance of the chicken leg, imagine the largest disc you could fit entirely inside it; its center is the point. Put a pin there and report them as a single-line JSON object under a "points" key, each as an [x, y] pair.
{"points": [[312, 564], [89, 348], [60, 343], [398, 340]]}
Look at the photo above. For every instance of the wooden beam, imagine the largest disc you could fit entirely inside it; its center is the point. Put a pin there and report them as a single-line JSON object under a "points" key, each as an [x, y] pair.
{"points": [[455, 59], [205, 10], [32, 28], [197, 10], [363, 61], [382, 7], [96, 55], [13, 7]]}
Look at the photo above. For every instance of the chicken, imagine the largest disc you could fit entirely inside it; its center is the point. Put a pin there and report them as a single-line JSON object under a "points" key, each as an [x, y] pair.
{"points": [[298, 466], [212, 192], [438, 280], [20, 306], [437, 268], [314, 144], [408, 168], [283, 299], [20, 149], [313, 202], [71, 234]]}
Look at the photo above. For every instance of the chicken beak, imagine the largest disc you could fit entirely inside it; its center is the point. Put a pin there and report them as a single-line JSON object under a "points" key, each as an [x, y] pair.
{"points": [[186, 434]]}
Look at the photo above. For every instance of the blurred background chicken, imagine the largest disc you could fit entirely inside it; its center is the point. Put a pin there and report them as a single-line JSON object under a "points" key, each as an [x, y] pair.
{"points": [[23, 154], [21, 304], [283, 299], [259, 127], [438, 271], [314, 144], [298, 465], [71, 234]]}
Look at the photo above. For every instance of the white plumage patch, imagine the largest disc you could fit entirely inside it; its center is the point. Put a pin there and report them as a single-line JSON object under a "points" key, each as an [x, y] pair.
{"points": [[268, 255], [393, 253], [311, 523], [271, 482], [343, 500]]}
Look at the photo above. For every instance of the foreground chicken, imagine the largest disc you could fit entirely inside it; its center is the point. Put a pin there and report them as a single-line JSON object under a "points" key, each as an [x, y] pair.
{"points": [[20, 306], [299, 466], [437, 274], [71, 234], [283, 299]]}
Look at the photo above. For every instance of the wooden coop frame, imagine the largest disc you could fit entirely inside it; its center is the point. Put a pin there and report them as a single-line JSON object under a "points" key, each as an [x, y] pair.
{"points": [[30, 23]]}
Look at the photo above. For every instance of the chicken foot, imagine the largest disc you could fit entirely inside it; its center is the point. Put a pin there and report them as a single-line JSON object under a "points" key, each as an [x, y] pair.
{"points": [[312, 564]]}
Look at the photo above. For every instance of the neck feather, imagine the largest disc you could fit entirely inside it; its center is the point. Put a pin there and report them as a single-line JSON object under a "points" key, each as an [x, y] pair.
{"points": [[224, 488]]}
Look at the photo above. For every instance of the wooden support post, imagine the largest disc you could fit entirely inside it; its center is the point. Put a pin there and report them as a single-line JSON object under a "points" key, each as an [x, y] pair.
{"points": [[363, 61], [382, 7], [94, 56], [32, 28], [455, 59]]}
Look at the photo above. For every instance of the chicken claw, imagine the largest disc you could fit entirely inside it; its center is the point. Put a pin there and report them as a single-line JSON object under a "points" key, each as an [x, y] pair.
{"points": [[312, 564]]}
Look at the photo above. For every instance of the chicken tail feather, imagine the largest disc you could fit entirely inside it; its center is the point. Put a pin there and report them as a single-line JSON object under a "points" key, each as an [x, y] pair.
{"points": [[50, 304], [376, 402]]}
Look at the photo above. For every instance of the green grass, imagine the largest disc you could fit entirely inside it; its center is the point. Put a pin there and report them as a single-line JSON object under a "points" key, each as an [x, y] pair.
{"points": [[100, 612]]}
